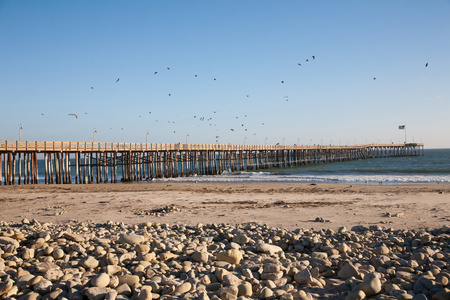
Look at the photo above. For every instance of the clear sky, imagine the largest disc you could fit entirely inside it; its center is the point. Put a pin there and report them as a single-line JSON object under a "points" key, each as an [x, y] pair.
{"points": [[254, 71]]}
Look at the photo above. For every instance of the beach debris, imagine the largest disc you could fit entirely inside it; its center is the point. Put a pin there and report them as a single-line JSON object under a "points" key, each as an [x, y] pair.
{"points": [[396, 215], [158, 212], [321, 220]]}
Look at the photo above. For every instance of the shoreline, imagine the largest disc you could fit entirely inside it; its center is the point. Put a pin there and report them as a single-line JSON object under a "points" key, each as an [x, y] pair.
{"points": [[287, 205], [201, 185]]}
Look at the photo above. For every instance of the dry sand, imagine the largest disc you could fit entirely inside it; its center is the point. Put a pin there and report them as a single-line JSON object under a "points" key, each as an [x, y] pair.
{"points": [[278, 205]]}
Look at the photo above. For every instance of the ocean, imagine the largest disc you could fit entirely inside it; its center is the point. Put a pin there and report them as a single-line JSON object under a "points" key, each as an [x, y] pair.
{"points": [[432, 168]]}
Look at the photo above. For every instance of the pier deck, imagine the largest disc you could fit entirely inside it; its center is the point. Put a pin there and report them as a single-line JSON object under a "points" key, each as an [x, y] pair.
{"points": [[84, 162]]}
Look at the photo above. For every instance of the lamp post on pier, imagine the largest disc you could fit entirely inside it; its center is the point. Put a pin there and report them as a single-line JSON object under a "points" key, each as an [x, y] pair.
{"points": [[20, 128], [146, 136], [93, 135]]}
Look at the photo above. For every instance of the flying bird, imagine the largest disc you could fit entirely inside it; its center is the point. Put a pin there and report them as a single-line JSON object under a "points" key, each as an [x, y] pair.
{"points": [[195, 75], [42, 114], [156, 73], [307, 60], [282, 81], [117, 79], [426, 65], [168, 68], [92, 87], [214, 79], [299, 64], [374, 78], [170, 94], [74, 115], [313, 57]]}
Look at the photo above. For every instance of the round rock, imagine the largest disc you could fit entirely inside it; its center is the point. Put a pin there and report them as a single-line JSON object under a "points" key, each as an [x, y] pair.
{"points": [[101, 280], [131, 239]]}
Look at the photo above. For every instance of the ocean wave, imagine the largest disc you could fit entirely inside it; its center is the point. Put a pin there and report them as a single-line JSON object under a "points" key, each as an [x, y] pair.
{"points": [[356, 179]]}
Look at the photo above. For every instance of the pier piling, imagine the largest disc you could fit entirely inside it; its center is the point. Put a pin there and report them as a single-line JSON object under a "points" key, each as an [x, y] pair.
{"points": [[77, 162]]}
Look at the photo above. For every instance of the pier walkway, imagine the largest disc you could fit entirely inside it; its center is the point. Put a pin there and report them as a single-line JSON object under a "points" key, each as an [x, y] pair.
{"points": [[33, 162]]}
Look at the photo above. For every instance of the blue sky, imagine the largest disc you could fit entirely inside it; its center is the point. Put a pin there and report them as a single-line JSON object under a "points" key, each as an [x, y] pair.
{"points": [[63, 57]]}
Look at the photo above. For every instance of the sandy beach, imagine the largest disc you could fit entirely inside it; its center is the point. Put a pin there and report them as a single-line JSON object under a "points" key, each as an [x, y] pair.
{"points": [[224, 241], [289, 206]]}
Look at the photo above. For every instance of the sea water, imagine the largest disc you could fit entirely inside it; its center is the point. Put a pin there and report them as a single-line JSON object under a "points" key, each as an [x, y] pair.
{"points": [[432, 168]]}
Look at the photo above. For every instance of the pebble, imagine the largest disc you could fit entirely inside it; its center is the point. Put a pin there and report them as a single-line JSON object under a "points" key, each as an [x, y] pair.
{"points": [[370, 287], [89, 262], [117, 261], [131, 239], [96, 293], [232, 256], [100, 280], [348, 271], [183, 288]]}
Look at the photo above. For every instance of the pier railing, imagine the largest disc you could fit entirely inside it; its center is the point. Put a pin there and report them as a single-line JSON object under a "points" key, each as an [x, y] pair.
{"points": [[45, 146]]}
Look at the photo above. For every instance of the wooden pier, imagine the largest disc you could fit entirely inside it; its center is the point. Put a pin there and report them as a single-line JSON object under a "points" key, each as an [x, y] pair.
{"points": [[25, 162]]}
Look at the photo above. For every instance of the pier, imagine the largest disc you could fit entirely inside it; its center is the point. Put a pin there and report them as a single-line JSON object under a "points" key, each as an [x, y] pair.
{"points": [[25, 162]]}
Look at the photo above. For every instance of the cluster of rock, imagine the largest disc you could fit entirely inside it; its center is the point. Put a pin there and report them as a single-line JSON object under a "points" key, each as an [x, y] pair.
{"points": [[321, 220], [77, 261], [158, 212], [395, 215]]}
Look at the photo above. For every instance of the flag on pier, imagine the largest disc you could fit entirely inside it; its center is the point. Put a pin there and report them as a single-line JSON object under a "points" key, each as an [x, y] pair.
{"points": [[401, 127]]}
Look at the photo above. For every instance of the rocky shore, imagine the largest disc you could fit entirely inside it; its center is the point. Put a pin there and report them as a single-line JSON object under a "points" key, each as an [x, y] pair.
{"points": [[86, 260]]}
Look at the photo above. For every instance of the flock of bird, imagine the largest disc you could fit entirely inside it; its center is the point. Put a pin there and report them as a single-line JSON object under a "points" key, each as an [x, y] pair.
{"points": [[209, 120]]}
